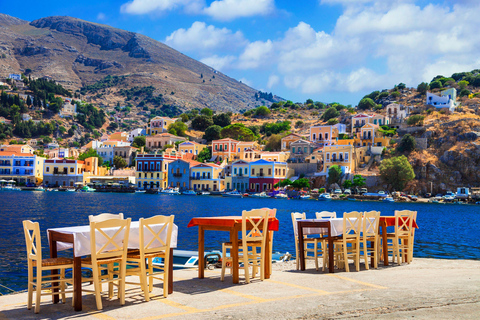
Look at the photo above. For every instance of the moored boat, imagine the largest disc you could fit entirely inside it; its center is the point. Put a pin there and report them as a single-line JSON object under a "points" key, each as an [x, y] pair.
{"points": [[388, 199], [87, 189], [281, 196], [170, 191], [260, 195], [304, 197], [189, 193], [324, 197], [203, 193], [234, 194]]}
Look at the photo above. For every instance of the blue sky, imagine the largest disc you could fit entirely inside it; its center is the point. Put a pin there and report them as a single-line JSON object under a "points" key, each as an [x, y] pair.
{"points": [[326, 50]]}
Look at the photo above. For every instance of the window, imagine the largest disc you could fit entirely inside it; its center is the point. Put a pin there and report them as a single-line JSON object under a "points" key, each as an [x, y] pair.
{"points": [[172, 170], [253, 170], [305, 149], [246, 170], [71, 169], [328, 156], [269, 171], [184, 171], [48, 169], [158, 175], [226, 147], [346, 156], [326, 136], [238, 149], [235, 171], [284, 172], [293, 149], [216, 147], [314, 137]]}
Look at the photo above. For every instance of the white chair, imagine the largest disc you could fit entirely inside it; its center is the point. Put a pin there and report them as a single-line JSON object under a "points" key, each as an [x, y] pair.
{"points": [[153, 244], [370, 227], [34, 258], [109, 245], [348, 246], [326, 215], [254, 232], [104, 216], [317, 242]]}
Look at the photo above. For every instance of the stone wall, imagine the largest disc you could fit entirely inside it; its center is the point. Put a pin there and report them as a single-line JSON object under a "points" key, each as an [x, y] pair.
{"points": [[305, 168]]}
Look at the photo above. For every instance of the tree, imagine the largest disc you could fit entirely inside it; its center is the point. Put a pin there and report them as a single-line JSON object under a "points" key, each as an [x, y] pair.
{"points": [[334, 174], [396, 172], [262, 111], [347, 184], [437, 84], [274, 143], [331, 113], [407, 144], [204, 155], [178, 128], [366, 104], [401, 86], [358, 180], [332, 121], [423, 87], [301, 183], [207, 112], [283, 183], [222, 120], [212, 133], [415, 120], [237, 131], [139, 141], [91, 153], [112, 126], [462, 84], [202, 122], [464, 93], [119, 162]]}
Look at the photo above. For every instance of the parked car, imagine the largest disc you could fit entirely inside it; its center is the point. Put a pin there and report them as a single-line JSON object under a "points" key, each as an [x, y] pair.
{"points": [[428, 195], [347, 191], [338, 191], [363, 190], [412, 197]]}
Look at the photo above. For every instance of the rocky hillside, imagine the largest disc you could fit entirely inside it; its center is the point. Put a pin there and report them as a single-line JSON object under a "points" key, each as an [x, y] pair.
{"points": [[77, 53]]}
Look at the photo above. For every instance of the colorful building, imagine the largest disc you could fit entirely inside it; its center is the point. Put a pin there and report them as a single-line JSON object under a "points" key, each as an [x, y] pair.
{"points": [[265, 174], [152, 170], [179, 173], [66, 173], [17, 148], [159, 141], [278, 156], [24, 168], [120, 136], [288, 139], [341, 155], [239, 176], [206, 176], [224, 149], [191, 147], [159, 125], [323, 134], [369, 135]]}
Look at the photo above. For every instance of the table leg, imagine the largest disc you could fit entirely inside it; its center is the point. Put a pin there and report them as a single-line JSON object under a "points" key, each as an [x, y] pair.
{"points": [[383, 226], [170, 272], [234, 253], [201, 252], [268, 258], [53, 254], [77, 282], [301, 246]]}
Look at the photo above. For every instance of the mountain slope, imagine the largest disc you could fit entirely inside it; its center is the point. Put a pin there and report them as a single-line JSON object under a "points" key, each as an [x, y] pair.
{"points": [[76, 53]]}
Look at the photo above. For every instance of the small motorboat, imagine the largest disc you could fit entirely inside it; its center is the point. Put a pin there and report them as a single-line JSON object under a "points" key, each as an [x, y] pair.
{"points": [[388, 199], [304, 197], [281, 196], [140, 191], [203, 193], [324, 197], [234, 194], [260, 195], [171, 191], [87, 189], [189, 193], [352, 199]]}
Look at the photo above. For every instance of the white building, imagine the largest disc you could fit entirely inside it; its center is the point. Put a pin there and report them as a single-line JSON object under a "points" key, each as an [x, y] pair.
{"points": [[135, 133], [105, 149], [15, 76], [68, 109], [447, 99], [26, 117]]}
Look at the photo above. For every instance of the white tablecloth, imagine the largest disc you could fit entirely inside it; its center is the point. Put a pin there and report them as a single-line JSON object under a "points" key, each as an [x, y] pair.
{"points": [[81, 238], [336, 225]]}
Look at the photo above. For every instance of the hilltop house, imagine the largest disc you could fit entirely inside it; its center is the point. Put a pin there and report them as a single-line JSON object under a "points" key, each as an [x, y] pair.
{"points": [[136, 133], [159, 125], [191, 147], [447, 99], [288, 139], [159, 141]]}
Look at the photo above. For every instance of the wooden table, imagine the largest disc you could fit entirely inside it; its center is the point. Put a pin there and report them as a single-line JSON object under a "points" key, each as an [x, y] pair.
{"points": [[301, 245], [384, 222], [56, 236], [233, 225]]}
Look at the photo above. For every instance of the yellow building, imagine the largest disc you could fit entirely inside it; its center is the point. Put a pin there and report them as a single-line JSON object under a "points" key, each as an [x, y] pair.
{"points": [[341, 155], [280, 156], [323, 134], [191, 147], [369, 135], [159, 125], [207, 176], [288, 139], [121, 136], [18, 148], [152, 170], [224, 149], [263, 174], [64, 172]]}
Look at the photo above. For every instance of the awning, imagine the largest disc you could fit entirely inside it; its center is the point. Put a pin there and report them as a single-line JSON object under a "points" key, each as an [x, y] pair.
{"points": [[213, 158]]}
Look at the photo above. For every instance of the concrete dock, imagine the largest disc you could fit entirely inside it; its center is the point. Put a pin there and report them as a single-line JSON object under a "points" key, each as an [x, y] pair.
{"points": [[424, 289]]}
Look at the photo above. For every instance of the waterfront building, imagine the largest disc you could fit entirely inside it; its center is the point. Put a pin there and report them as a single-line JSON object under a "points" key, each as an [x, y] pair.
{"points": [[323, 134], [191, 147], [340, 155], [65, 172], [239, 176], [152, 170], [159, 141], [207, 176], [106, 149], [224, 149], [159, 125], [263, 174], [127, 153], [179, 173], [288, 139], [447, 99], [24, 168]]}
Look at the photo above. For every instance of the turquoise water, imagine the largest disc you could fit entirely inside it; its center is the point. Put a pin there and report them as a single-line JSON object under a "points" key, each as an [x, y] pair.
{"points": [[446, 230]]}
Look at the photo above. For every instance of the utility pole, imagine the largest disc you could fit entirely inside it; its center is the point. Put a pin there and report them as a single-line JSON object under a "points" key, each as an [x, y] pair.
{"points": [[431, 187]]}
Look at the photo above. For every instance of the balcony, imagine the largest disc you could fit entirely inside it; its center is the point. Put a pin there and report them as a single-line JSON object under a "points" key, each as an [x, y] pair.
{"points": [[261, 174], [178, 175], [339, 160], [201, 178]]}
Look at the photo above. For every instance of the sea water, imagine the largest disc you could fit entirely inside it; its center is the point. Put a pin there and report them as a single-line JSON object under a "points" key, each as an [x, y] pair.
{"points": [[445, 230]]}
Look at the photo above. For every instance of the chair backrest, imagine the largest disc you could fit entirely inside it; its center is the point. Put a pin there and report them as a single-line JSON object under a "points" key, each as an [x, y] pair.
{"points": [[370, 223], [254, 225], [326, 215], [271, 212], [109, 238], [352, 224], [32, 240], [297, 216], [155, 233], [404, 222], [104, 216]]}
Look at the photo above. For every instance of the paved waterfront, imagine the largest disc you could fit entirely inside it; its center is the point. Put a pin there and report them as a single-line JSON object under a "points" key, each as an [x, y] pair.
{"points": [[425, 289]]}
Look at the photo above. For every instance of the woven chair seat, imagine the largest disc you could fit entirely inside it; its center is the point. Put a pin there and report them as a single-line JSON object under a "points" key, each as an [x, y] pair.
{"points": [[54, 262], [135, 254], [102, 261], [250, 243]]}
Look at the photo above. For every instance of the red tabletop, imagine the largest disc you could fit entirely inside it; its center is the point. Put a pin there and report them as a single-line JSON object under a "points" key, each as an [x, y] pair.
{"points": [[390, 221], [228, 221]]}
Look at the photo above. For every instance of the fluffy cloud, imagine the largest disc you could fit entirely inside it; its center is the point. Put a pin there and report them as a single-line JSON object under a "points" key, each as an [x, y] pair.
{"points": [[206, 39], [273, 80], [220, 9], [218, 62], [232, 9]]}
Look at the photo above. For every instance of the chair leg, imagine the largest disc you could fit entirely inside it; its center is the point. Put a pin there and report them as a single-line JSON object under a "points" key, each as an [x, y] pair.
{"points": [[143, 279], [375, 254], [121, 281], [150, 272], [245, 265], [30, 285], [297, 254], [357, 257], [397, 251], [224, 262], [38, 290], [365, 254], [110, 278], [166, 275], [345, 257], [62, 284], [96, 286]]}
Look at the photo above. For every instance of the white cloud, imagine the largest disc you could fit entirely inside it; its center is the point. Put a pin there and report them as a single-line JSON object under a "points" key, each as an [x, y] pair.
{"points": [[256, 55], [232, 9], [273, 80], [101, 16], [200, 37], [219, 63], [150, 6], [246, 81]]}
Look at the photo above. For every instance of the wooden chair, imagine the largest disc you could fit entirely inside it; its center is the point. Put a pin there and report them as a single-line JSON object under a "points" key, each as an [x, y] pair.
{"points": [[325, 215], [272, 213], [104, 216], [401, 244], [254, 232], [35, 261], [348, 246], [370, 225], [109, 245], [317, 242], [152, 232]]}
